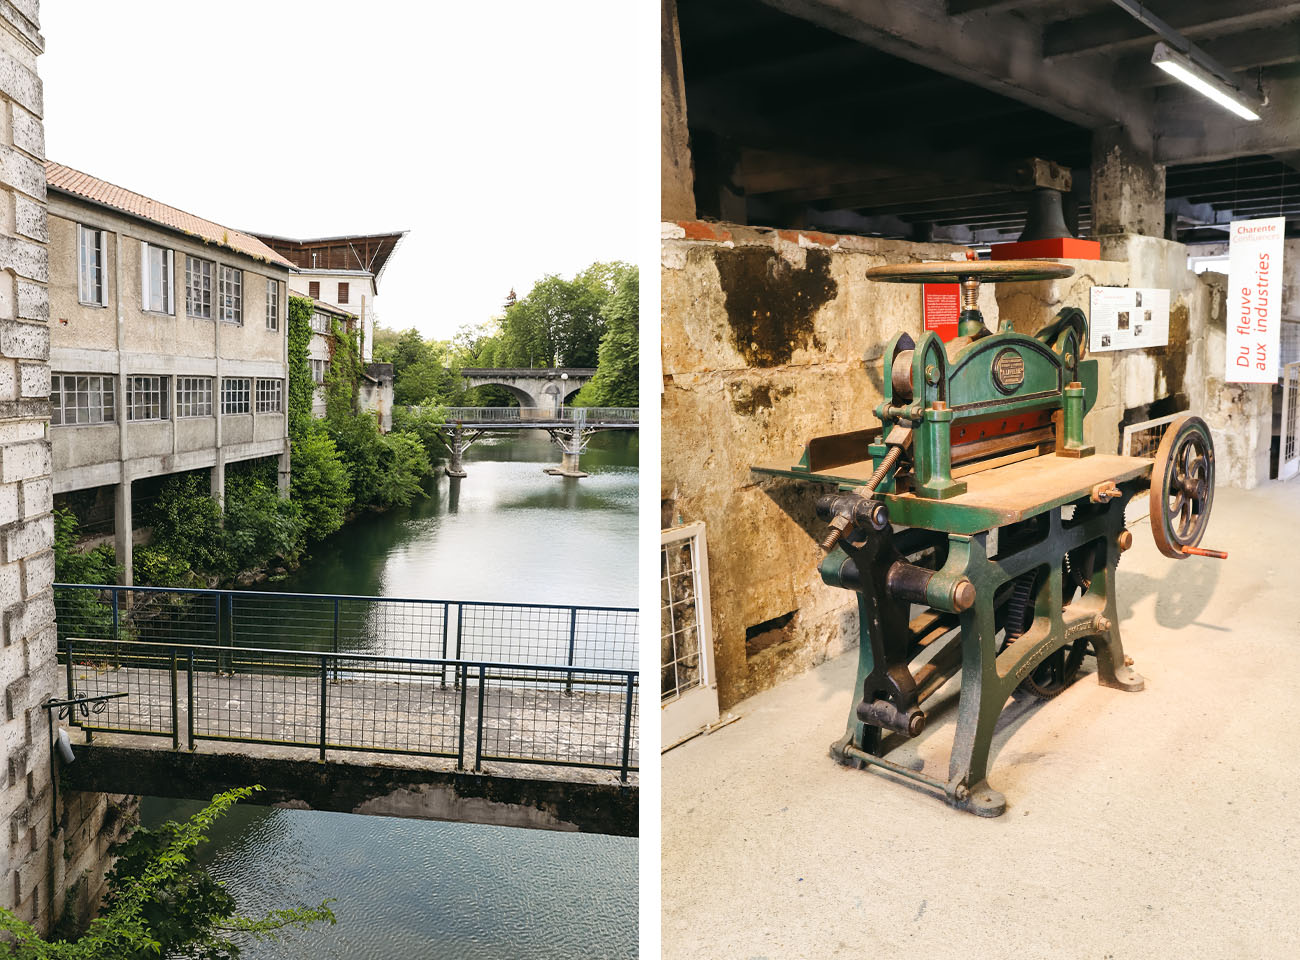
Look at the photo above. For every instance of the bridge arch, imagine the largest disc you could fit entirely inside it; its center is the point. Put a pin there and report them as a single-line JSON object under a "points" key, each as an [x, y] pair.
{"points": [[547, 388]]}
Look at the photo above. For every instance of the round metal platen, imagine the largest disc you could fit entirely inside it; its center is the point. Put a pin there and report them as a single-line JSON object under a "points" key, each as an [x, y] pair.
{"points": [[955, 271]]}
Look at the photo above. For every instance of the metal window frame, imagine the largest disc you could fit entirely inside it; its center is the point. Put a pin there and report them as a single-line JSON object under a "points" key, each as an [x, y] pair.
{"points": [[272, 304], [1288, 453], [695, 708], [230, 393], [156, 390], [230, 294], [147, 277], [198, 282], [99, 387], [193, 397], [97, 274], [269, 395]]}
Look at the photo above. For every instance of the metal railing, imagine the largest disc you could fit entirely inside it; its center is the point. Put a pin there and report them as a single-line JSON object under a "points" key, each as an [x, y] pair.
{"points": [[524, 414], [469, 710], [548, 634]]}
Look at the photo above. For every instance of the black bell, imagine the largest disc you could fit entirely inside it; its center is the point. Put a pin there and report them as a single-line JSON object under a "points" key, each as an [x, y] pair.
{"points": [[1045, 220]]}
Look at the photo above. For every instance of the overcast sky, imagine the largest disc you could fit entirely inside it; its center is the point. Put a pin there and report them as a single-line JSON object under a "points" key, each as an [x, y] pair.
{"points": [[500, 134]]}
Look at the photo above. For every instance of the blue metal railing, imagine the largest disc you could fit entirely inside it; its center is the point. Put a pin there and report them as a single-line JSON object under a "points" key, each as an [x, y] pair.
{"points": [[505, 712], [550, 634], [557, 675]]}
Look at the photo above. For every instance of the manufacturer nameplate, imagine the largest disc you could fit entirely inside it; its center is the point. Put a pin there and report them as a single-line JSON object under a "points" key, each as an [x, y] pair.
{"points": [[1008, 371]]}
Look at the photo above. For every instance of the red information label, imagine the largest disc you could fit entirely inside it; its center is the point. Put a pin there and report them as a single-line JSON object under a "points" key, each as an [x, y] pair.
{"points": [[941, 308]]}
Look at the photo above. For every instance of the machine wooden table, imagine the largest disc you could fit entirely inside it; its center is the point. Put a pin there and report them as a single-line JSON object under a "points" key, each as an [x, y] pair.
{"points": [[979, 531]]}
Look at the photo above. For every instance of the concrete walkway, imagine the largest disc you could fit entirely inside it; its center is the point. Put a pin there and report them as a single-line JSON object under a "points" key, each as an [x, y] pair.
{"points": [[1148, 825]]}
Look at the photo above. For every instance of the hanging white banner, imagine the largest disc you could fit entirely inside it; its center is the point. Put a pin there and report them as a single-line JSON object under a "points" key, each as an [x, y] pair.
{"points": [[1254, 300]]}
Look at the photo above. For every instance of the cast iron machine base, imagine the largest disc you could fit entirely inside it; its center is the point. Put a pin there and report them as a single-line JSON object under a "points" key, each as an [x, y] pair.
{"points": [[979, 531]]}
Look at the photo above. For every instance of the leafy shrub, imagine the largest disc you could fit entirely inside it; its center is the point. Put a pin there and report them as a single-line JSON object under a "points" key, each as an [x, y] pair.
{"points": [[320, 483], [188, 527], [162, 903], [422, 424], [260, 525], [386, 470]]}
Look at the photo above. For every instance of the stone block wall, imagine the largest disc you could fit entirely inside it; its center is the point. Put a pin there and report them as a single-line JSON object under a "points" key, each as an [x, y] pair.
{"points": [[770, 338], [37, 864]]}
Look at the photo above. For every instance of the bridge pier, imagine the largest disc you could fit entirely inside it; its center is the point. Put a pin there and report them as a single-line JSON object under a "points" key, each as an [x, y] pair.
{"points": [[571, 444], [456, 444]]}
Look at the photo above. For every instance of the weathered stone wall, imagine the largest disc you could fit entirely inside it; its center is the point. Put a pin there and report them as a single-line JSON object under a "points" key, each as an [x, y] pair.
{"points": [[764, 339], [37, 866]]}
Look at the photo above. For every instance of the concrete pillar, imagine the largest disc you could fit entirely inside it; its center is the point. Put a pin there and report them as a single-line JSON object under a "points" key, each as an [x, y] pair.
{"points": [[677, 185], [457, 447], [284, 474], [122, 530], [1128, 187], [219, 479]]}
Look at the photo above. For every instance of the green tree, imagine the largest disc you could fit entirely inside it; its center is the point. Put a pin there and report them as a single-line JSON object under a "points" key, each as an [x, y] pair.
{"points": [[162, 903], [617, 367], [320, 484]]}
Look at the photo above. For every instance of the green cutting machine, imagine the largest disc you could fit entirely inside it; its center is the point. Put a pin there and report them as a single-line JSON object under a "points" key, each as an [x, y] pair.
{"points": [[980, 532]]}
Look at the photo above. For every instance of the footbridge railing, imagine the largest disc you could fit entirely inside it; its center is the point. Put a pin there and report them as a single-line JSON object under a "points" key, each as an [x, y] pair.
{"points": [[474, 681], [590, 415]]}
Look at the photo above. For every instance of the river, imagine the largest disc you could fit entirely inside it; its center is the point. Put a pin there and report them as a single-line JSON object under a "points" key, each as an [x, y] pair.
{"points": [[438, 891]]}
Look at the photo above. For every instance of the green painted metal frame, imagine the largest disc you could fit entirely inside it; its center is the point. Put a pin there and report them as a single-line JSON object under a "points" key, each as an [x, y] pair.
{"points": [[990, 677], [951, 383]]}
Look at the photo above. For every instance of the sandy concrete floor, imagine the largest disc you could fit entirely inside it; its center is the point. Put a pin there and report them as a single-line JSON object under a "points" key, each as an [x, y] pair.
{"points": [[1139, 825]]}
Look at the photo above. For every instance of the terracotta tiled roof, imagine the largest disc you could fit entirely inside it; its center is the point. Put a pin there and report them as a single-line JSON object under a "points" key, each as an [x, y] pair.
{"points": [[79, 184]]}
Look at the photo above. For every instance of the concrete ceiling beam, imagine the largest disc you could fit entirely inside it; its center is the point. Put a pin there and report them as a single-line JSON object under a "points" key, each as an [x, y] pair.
{"points": [[1108, 31], [1191, 129], [1264, 47], [1002, 53]]}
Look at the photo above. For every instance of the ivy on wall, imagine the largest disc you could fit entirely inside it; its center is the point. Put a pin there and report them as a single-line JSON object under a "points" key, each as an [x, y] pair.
{"points": [[301, 386]]}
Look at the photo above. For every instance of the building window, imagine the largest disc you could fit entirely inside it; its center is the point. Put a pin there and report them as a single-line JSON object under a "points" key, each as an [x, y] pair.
{"points": [[321, 323], [90, 272], [81, 398], [230, 294], [234, 394], [155, 278], [313, 289], [343, 293], [193, 396], [273, 305], [198, 288], [146, 398], [270, 394], [319, 369]]}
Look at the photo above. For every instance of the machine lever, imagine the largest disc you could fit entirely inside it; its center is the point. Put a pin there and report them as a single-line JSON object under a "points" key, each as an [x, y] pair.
{"points": [[1203, 552]]}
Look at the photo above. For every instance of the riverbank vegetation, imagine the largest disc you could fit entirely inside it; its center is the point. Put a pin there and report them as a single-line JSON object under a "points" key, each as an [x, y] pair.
{"points": [[343, 464], [160, 902], [589, 321]]}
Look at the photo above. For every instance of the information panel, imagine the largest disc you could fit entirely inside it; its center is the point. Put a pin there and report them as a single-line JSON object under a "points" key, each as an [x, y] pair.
{"points": [[1125, 318], [941, 303], [1254, 300]]}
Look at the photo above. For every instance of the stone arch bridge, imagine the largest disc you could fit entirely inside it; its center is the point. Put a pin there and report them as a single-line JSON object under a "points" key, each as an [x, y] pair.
{"points": [[541, 388]]}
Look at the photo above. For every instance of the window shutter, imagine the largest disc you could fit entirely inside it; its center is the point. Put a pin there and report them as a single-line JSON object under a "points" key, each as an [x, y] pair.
{"points": [[313, 289], [343, 293], [170, 306]]}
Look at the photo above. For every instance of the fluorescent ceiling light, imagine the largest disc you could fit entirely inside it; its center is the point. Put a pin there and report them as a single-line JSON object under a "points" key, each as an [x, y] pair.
{"points": [[1181, 67]]}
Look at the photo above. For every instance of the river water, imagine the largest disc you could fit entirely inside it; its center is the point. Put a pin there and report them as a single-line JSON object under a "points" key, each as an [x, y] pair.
{"points": [[422, 889]]}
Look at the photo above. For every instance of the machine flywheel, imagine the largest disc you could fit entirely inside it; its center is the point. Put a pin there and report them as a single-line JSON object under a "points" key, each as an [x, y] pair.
{"points": [[1182, 486]]}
